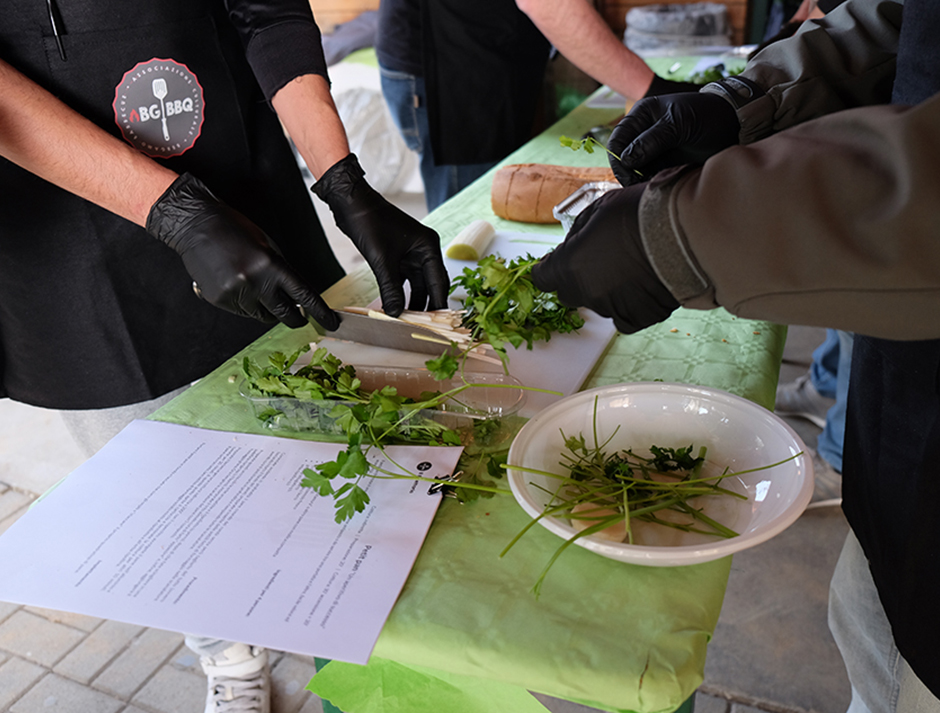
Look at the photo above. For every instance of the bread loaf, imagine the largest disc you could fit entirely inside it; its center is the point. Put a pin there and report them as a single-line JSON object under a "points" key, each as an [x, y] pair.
{"points": [[527, 192]]}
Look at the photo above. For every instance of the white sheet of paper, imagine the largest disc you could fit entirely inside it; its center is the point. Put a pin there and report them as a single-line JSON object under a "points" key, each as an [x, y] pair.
{"points": [[561, 364], [209, 533]]}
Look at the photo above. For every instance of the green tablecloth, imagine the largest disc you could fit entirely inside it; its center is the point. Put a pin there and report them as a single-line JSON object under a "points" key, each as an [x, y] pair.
{"points": [[467, 629]]}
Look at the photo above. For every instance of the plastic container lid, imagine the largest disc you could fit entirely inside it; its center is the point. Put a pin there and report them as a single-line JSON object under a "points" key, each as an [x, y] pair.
{"points": [[570, 207], [462, 413]]}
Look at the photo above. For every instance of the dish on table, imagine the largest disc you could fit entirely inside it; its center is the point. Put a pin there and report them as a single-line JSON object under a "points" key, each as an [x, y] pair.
{"points": [[739, 435]]}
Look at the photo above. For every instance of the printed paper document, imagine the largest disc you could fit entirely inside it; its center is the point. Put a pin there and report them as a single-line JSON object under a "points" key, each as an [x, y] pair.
{"points": [[210, 533]]}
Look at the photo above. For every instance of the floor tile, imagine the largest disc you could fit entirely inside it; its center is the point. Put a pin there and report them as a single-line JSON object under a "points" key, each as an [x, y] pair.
{"points": [[76, 621], [173, 691], [289, 678], [138, 662], [87, 659], [7, 608], [12, 501], [54, 694], [16, 676], [37, 639]]}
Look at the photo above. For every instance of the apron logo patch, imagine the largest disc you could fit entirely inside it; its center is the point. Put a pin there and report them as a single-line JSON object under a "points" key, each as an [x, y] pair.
{"points": [[159, 108]]}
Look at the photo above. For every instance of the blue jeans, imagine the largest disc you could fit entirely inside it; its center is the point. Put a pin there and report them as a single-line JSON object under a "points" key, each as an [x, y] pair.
{"points": [[882, 681], [829, 373], [406, 98]]}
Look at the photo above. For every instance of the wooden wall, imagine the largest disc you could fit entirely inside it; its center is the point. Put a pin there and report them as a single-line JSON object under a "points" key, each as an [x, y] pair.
{"points": [[332, 12]]}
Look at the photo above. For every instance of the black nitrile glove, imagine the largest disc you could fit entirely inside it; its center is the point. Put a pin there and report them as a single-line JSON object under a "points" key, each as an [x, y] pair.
{"points": [[231, 259], [671, 130], [603, 266], [396, 246], [661, 85]]}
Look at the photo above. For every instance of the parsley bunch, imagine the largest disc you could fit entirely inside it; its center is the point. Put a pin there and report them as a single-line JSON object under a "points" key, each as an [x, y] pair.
{"points": [[503, 306], [328, 390]]}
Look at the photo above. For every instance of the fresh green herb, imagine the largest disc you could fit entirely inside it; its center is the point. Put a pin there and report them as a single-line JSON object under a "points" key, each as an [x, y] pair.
{"points": [[368, 419], [588, 143], [714, 73], [504, 307], [606, 493]]}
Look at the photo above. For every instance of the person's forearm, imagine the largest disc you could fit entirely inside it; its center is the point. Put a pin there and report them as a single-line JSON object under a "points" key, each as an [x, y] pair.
{"points": [[576, 29], [44, 136], [307, 111], [844, 60], [831, 223]]}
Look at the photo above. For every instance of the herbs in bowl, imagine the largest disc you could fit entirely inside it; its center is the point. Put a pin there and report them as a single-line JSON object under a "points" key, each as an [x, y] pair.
{"points": [[686, 474]]}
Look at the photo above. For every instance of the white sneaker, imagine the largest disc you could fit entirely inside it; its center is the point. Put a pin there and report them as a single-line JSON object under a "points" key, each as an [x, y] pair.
{"points": [[800, 398], [239, 680], [828, 483]]}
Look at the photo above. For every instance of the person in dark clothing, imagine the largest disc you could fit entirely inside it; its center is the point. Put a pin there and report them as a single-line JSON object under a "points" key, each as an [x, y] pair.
{"points": [[843, 121], [463, 79], [153, 219], [462, 82]]}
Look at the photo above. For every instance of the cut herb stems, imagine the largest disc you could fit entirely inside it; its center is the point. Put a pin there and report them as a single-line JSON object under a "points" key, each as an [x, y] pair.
{"points": [[607, 494]]}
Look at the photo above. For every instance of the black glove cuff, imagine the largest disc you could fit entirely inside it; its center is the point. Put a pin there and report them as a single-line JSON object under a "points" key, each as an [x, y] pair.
{"points": [[339, 179], [738, 91], [176, 207]]}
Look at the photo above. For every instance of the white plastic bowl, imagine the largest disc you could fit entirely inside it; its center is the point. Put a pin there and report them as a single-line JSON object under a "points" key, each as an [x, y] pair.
{"points": [[738, 433]]}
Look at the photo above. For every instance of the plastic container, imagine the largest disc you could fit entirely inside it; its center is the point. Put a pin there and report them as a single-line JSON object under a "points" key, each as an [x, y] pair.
{"points": [[653, 28], [568, 209], [463, 413]]}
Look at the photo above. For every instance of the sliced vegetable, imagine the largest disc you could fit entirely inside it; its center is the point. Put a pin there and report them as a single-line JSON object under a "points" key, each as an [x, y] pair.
{"points": [[472, 242]]}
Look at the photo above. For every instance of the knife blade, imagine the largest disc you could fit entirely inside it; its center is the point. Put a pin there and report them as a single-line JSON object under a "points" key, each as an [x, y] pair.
{"points": [[389, 332]]}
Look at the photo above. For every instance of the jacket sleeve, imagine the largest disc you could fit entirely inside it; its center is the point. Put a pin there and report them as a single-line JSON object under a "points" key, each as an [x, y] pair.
{"points": [[833, 223], [281, 40], [844, 60]]}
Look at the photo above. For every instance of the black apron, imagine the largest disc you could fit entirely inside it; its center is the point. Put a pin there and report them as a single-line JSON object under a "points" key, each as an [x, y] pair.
{"points": [[94, 312], [484, 62], [891, 468]]}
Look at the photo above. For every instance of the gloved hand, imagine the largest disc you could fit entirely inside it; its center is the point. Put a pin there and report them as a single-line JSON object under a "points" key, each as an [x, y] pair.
{"points": [[396, 246], [602, 265], [662, 85], [231, 259], [671, 130]]}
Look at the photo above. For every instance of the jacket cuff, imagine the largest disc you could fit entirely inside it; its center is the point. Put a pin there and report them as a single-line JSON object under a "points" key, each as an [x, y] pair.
{"points": [[754, 108], [665, 242], [283, 52], [757, 120]]}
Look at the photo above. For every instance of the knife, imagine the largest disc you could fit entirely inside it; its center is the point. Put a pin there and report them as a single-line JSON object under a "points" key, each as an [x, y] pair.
{"points": [[388, 332]]}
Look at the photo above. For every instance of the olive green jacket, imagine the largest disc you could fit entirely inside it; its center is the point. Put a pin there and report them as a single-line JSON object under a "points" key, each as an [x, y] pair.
{"points": [[827, 213]]}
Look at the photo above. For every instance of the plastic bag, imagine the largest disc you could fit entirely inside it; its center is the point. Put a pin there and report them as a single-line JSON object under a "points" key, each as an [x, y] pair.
{"points": [[654, 27], [374, 138]]}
